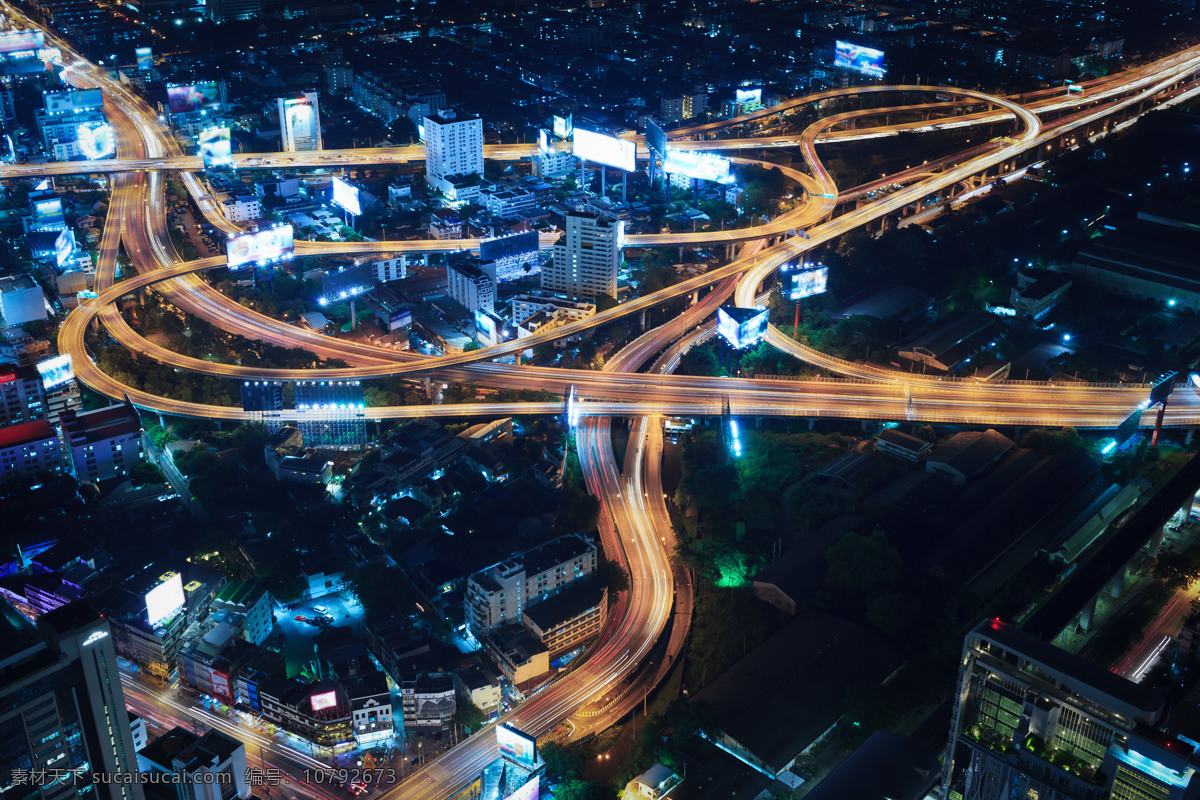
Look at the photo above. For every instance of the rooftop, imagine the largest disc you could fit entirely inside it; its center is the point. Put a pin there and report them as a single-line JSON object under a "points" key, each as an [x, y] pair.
{"points": [[25, 433], [970, 451]]}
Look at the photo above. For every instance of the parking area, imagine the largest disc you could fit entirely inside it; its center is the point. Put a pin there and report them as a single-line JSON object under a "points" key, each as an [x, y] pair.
{"points": [[300, 621]]}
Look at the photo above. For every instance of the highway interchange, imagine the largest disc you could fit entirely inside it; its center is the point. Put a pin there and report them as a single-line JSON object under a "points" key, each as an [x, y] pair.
{"points": [[635, 527]]}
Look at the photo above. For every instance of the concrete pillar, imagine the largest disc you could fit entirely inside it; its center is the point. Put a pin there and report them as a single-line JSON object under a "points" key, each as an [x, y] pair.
{"points": [[1087, 615], [427, 385], [1156, 541], [1117, 585], [866, 425], [812, 424], [1191, 432], [161, 420], [437, 395], [642, 320]]}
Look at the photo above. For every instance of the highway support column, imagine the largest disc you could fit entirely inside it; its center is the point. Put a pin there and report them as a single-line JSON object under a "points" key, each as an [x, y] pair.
{"points": [[1088, 614]]}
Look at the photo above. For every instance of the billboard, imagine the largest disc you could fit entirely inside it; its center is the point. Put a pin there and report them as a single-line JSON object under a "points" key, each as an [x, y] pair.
{"points": [[193, 97], [1162, 390], [808, 281], [73, 101], [607, 150], [56, 371], [564, 126], [656, 139], [1129, 426], [262, 395], [165, 599], [323, 700], [216, 149], [866, 60], [517, 746], [702, 166], [346, 196], [220, 684], [17, 41], [741, 327], [96, 140], [485, 325], [528, 791], [64, 246], [544, 145], [48, 212], [346, 282], [267, 245], [399, 319], [145, 57], [749, 96], [516, 244]]}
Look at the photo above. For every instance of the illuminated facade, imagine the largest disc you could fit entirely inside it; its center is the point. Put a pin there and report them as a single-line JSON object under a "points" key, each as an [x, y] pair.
{"points": [[587, 257], [300, 122]]}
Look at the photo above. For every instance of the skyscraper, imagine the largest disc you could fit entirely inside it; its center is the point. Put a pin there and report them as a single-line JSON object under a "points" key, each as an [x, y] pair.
{"points": [[300, 122], [453, 146], [587, 257], [64, 731]]}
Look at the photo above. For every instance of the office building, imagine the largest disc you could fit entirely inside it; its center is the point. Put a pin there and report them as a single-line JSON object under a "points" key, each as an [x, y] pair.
{"points": [[526, 305], [62, 707], [300, 122], [453, 148], [21, 397], [21, 300], [587, 257], [185, 766], [29, 449], [248, 607], [555, 164], [104, 443], [472, 283], [1031, 720]]}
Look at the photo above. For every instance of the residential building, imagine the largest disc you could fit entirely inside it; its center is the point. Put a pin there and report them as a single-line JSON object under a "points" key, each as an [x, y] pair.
{"points": [[897, 443], [389, 269], [428, 700], [318, 712], [569, 619], [29, 449], [211, 766], [587, 257], [300, 122], [1038, 292], [21, 397], [472, 283], [371, 707], [684, 106], [519, 654], [104, 443], [526, 305], [251, 605], [62, 706], [21, 300], [453, 147], [137, 728], [555, 164], [243, 206], [479, 689]]}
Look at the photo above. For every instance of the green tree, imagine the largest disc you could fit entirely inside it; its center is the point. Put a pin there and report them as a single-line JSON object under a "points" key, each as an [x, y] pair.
{"points": [[145, 473], [605, 301], [469, 716]]}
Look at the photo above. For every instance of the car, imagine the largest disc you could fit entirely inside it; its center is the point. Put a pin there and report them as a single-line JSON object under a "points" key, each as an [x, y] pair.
{"points": [[357, 787], [321, 609], [300, 618]]}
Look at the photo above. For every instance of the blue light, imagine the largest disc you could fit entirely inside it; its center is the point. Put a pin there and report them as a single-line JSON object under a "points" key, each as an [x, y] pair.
{"points": [[1108, 448], [1066, 337], [1171, 302]]}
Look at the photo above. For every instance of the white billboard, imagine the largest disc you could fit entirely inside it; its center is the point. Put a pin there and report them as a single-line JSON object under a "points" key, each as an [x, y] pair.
{"points": [[323, 700], [544, 140], [346, 196], [809, 281], [272, 244], [165, 599], [96, 140], [607, 150], [216, 148], [702, 166], [741, 327], [56, 371], [517, 745], [748, 96], [64, 246]]}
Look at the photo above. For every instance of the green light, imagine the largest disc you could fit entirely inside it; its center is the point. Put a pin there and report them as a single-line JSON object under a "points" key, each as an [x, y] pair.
{"points": [[732, 569]]}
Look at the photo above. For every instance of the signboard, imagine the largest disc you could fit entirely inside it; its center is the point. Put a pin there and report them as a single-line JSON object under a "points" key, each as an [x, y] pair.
{"points": [[267, 245], [748, 96], [48, 212], [64, 246], [516, 244], [16, 41], [564, 126], [472, 791], [216, 148], [741, 327], [702, 166], [656, 139], [1129, 426], [193, 97], [1162, 390], [323, 700], [145, 57], [607, 150], [96, 140], [517, 746], [400, 319], [56, 371], [544, 141], [528, 791], [808, 281], [485, 325], [220, 684], [866, 60], [73, 101], [346, 196], [165, 599], [262, 395]]}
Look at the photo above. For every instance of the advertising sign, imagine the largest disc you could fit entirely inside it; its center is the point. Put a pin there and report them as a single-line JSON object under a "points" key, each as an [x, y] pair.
{"points": [[517, 746], [216, 149], [165, 599], [64, 245], [267, 245], [741, 327], [748, 96], [528, 791], [48, 212], [220, 684], [16, 41], [564, 126], [472, 791], [193, 97], [96, 140], [56, 371], [485, 325], [73, 101], [400, 319], [1162, 390], [145, 57], [702, 166], [656, 139], [346, 196], [607, 150], [516, 244], [807, 282], [866, 60], [1129, 426], [544, 140], [323, 700]]}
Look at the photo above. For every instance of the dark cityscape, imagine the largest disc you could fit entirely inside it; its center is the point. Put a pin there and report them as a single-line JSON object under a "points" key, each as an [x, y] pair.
{"points": [[520, 400]]}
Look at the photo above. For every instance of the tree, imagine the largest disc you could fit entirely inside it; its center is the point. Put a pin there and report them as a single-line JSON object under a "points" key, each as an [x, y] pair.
{"points": [[469, 716], [144, 473], [605, 301]]}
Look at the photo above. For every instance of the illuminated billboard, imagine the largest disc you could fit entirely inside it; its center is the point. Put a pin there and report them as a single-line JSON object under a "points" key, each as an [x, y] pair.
{"points": [[399, 319], [48, 212], [96, 140], [741, 327], [528, 791], [73, 101], [544, 145], [323, 700], [220, 684], [702, 166], [656, 139], [17, 41], [216, 149], [485, 324], [346, 196], [165, 599], [193, 97], [145, 57], [607, 150], [808, 281], [56, 371], [748, 96], [866, 60], [64, 246], [564, 126], [513, 245], [517, 746], [265, 246]]}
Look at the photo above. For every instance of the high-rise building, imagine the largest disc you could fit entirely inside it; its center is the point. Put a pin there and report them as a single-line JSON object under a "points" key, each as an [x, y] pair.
{"points": [[472, 283], [104, 443], [300, 122], [1031, 720], [208, 767], [29, 449], [453, 146], [587, 257], [21, 397], [21, 299], [62, 710]]}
